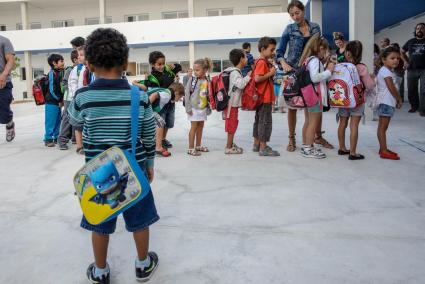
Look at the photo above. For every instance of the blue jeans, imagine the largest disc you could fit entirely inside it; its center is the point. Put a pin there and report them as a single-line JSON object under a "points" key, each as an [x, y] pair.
{"points": [[139, 217], [52, 122], [6, 98]]}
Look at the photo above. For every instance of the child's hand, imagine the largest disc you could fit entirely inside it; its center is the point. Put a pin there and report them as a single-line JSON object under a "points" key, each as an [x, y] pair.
{"points": [[399, 103], [287, 67], [272, 71], [331, 66], [150, 173]]}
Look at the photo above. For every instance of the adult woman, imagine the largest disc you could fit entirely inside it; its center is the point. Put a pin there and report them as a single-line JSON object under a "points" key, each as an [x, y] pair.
{"points": [[341, 44], [293, 40]]}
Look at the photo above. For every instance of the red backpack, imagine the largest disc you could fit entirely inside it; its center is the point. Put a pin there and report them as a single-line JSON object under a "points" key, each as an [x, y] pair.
{"points": [[218, 95], [251, 99], [40, 89]]}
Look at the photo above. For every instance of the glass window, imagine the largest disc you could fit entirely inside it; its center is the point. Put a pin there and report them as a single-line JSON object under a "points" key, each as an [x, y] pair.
{"points": [[135, 18], [3, 28], [92, 21], [18, 26], [185, 66], [144, 68], [220, 12], [213, 13], [216, 66], [227, 12], [37, 72], [265, 9], [62, 23], [23, 74], [35, 26], [175, 15], [227, 64]]}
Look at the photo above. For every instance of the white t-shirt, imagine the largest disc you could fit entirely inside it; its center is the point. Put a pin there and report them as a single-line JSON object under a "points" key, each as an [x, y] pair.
{"points": [[384, 95]]}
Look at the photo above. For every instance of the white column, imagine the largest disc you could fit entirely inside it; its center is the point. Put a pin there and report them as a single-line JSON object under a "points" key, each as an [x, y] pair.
{"points": [[27, 54], [102, 12], [191, 10], [316, 12], [362, 28]]}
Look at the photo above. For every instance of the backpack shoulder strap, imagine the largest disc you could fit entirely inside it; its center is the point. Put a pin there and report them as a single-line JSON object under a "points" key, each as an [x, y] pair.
{"points": [[193, 84], [135, 106]]}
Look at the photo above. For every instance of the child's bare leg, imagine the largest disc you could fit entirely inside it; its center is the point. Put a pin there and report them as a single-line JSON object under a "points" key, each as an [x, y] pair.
{"points": [[79, 138], [313, 124], [164, 133], [141, 238], [159, 135], [382, 133], [292, 121], [199, 131], [343, 123], [230, 138], [305, 126], [100, 249], [354, 133], [192, 133], [263, 145]]}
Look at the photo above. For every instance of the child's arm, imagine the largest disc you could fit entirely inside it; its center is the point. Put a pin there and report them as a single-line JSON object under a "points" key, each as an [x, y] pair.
{"points": [[147, 137], [73, 82], [153, 97], [239, 81], [317, 76], [187, 104], [141, 86], [263, 77], [393, 90], [365, 77]]}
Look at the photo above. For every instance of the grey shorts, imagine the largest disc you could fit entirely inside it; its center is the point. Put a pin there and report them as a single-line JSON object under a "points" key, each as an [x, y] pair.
{"points": [[347, 112]]}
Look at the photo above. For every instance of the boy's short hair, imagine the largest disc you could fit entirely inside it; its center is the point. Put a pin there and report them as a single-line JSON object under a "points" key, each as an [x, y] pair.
{"points": [[54, 57], [177, 88], [154, 56], [264, 42], [246, 45], [236, 55], [78, 41], [74, 55], [106, 48]]}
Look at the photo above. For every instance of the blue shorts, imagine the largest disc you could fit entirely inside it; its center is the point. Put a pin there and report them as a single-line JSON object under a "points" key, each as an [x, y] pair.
{"points": [[385, 110], [137, 218], [168, 113], [347, 112]]}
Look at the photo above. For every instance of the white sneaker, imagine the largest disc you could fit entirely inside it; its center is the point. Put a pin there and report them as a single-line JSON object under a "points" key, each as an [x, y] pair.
{"points": [[312, 152]]}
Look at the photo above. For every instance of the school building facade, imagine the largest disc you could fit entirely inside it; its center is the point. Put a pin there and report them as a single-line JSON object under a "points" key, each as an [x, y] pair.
{"points": [[182, 29]]}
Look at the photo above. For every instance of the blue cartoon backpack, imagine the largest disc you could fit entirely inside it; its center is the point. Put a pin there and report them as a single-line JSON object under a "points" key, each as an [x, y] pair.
{"points": [[112, 182]]}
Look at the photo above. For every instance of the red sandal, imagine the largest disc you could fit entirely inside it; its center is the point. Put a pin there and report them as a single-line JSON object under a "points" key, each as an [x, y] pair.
{"points": [[163, 153]]}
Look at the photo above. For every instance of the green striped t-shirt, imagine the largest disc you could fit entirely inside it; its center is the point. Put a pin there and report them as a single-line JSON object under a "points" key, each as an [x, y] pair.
{"points": [[104, 110]]}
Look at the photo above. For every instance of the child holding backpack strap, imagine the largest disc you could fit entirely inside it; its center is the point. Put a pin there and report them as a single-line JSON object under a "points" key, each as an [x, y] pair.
{"points": [[314, 52], [236, 85], [353, 54], [196, 104], [106, 102], [388, 99], [263, 77]]}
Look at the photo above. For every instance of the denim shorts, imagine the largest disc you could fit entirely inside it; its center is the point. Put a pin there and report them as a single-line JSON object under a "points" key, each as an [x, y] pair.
{"points": [[385, 110], [347, 112], [315, 108], [139, 217], [168, 113]]}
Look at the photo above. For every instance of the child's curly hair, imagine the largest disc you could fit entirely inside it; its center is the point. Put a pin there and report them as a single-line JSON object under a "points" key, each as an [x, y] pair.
{"points": [[106, 48]]}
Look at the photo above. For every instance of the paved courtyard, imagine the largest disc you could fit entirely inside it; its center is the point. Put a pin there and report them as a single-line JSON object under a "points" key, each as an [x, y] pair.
{"points": [[228, 219]]}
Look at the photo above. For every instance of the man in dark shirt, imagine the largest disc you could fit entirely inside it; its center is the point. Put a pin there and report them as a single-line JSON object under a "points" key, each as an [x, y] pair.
{"points": [[415, 64]]}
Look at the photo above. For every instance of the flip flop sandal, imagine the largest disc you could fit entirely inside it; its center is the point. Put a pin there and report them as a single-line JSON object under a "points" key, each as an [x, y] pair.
{"points": [[80, 151], [193, 152], [163, 153], [202, 149]]}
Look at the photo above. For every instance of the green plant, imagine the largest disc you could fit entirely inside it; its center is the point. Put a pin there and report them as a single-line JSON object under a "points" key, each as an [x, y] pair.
{"points": [[16, 66]]}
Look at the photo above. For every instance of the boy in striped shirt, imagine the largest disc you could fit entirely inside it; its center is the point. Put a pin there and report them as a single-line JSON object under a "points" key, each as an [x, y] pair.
{"points": [[103, 108]]}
